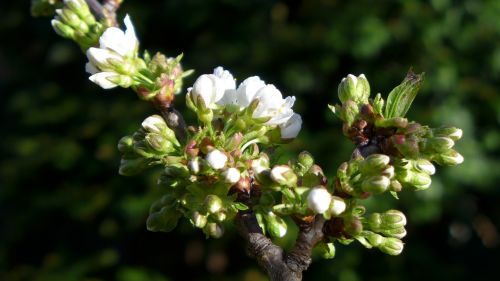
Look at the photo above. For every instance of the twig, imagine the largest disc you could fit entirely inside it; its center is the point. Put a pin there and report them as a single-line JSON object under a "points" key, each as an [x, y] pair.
{"points": [[279, 265], [110, 8]]}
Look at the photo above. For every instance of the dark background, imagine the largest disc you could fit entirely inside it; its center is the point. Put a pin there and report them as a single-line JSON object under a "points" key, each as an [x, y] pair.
{"points": [[66, 214]]}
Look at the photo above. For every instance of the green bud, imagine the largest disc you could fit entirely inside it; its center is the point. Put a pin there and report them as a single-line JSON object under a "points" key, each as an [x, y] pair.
{"points": [[395, 186], [450, 157], [126, 144], [176, 171], [198, 220], [159, 143], [450, 132], [393, 219], [165, 220], [219, 216], [438, 144], [327, 250], [399, 232], [374, 163], [378, 104], [214, 230], [349, 112], [275, 225], [398, 122], [374, 239], [425, 166], [419, 181], [283, 175], [70, 18], [391, 246], [376, 184], [62, 29], [306, 160], [205, 116], [354, 88], [212, 204], [132, 165]]}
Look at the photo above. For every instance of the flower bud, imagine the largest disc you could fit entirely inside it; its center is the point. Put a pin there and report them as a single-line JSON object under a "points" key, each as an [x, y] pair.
{"points": [[154, 124], [354, 88], [374, 239], [194, 165], [234, 142], [198, 220], [395, 186], [353, 226], [391, 246], [62, 29], [275, 225], [393, 219], [419, 181], [374, 163], [164, 220], [306, 160], [231, 175], [376, 184], [219, 216], [291, 128], [388, 171], [126, 144], [159, 143], [337, 206], [132, 165], [212, 204], [216, 159], [214, 230], [450, 132], [319, 200], [450, 157], [399, 232], [424, 165], [439, 144], [349, 112], [283, 175]]}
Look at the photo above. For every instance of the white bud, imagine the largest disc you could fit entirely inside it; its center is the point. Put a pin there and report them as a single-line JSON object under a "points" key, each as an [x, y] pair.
{"points": [[216, 159], [291, 128], [194, 165], [319, 200], [153, 124], [337, 206], [425, 166], [283, 175], [231, 175]]}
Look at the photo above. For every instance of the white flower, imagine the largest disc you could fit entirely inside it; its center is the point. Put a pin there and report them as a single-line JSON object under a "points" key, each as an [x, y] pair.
{"points": [[337, 206], [231, 175], [273, 106], [245, 93], [319, 200], [291, 128], [211, 87], [116, 45], [216, 159]]}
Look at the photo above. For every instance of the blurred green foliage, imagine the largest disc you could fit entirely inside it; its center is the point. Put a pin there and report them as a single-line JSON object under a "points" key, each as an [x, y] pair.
{"points": [[65, 214]]}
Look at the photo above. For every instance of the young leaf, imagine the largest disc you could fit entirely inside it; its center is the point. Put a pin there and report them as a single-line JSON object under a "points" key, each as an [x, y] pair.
{"points": [[401, 97]]}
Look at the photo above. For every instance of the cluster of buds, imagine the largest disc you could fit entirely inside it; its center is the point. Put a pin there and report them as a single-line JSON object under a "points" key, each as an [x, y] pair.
{"points": [[153, 143], [75, 21]]}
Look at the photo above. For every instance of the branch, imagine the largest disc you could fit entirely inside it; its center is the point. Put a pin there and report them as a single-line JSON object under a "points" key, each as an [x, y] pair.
{"points": [[278, 265]]}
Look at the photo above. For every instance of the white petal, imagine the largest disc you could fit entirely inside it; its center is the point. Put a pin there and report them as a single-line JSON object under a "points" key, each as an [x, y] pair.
{"points": [[99, 57], [113, 38], [226, 77], [230, 97], [216, 159], [248, 89], [292, 127], [91, 68], [204, 87], [131, 41], [101, 79]]}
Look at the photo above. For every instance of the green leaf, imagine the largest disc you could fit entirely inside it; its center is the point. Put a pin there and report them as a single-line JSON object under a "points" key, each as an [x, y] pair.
{"points": [[401, 97], [240, 206]]}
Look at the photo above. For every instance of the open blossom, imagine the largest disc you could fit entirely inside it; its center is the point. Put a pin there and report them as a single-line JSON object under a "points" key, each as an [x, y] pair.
{"points": [[211, 87], [272, 105], [114, 45], [245, 93], [291, 128]]}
